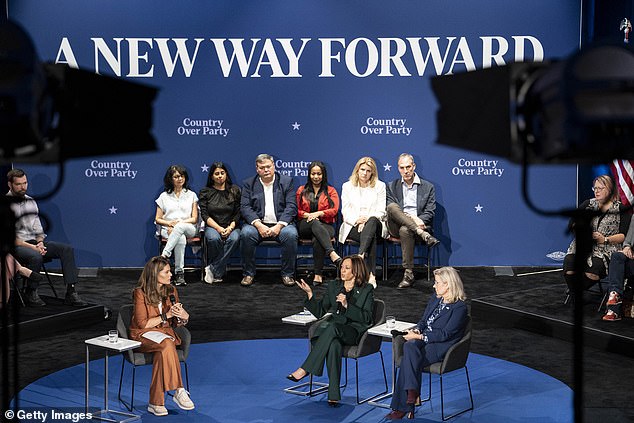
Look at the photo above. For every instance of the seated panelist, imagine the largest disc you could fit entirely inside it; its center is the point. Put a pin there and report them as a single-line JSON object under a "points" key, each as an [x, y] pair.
{"points": [[349, 302], [177, 213], [220, 210], [268, 207], [363, 200], [443, 324], [155, 311], [317, 208]]}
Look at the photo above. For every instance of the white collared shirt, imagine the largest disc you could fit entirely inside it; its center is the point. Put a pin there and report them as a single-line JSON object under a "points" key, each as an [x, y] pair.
{"points": [[409, 196], [269, 203]]}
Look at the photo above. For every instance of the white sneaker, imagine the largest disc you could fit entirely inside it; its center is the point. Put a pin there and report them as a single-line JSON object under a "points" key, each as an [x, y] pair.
{"points": [[209, 275], [157, 410], [181, 398]]}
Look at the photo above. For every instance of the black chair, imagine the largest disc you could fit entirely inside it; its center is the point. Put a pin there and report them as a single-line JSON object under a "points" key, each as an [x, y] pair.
{"points": [[603, 292], [137, 359], [19, 291], [390, 255], [456, 358], [368, 345]]}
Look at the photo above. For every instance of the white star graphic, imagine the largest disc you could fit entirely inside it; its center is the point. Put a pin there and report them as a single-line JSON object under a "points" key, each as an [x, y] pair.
{"points": [[387, 167], [113, 210], [204, 168], [478, 208], [296, 126]]}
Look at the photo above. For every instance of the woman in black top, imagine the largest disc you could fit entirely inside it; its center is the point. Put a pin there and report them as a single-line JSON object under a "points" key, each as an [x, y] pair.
{"points": [[220, 210]]}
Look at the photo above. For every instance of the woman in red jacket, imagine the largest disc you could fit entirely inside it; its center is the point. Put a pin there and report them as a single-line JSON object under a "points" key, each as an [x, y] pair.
{"points": [[317, 208]]}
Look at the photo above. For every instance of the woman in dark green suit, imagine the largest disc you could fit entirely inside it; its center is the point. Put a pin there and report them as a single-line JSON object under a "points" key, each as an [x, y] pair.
{"points": [[347, 307]]}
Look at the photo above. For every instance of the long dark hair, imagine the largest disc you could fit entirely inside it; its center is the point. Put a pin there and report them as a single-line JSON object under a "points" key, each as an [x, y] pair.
{"points": [[228, 183], [148, 282], [308, 193], [168, 182]]}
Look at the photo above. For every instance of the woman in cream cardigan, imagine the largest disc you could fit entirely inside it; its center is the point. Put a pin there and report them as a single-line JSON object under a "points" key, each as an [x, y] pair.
{"points": [[363, 210]]}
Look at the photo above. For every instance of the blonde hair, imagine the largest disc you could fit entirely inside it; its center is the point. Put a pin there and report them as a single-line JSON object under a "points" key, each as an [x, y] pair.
{"points": [[454, 283], [608, 181], [368, 161]]}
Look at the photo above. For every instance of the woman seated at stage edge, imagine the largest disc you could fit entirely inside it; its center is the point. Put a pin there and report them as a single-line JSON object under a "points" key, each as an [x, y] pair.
{"points": [[608, 233], [442, 325], [177, 213], [351, 301], [12, 268], [317, 208], [220, 210], [363, 200], [154, 311]]}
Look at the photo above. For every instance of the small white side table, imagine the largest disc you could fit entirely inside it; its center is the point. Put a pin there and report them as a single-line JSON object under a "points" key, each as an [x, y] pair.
{"points": [[303, 318], [382, 330], [119, 346]]}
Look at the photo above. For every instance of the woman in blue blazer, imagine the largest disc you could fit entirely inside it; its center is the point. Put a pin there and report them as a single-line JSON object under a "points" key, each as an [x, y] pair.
{"points": [[442, 325], [348, 304]]}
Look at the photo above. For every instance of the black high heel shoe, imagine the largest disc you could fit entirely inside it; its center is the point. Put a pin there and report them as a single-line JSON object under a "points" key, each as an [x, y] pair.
{"points": [[294, 379], [333, 403]]}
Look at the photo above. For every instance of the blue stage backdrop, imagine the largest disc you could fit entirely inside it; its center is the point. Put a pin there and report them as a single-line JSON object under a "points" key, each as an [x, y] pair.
{"points": [[303, 80]]}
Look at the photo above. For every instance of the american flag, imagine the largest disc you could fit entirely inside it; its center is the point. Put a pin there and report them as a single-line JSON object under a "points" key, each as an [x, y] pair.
{"points": [[623, 172]]}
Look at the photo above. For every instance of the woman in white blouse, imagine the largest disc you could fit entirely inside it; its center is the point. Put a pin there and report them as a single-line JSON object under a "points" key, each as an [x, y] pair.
{"points": [[363, 210], [177, 213]]}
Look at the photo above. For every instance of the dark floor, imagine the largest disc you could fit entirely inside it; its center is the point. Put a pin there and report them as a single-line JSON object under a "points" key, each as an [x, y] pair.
{"points": [[228, 311]]}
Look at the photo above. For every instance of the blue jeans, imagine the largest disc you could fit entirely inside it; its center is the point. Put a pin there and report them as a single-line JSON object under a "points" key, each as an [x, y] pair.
{"points": [[219, 250], [33, 260], [250, 238], [621, 267]]}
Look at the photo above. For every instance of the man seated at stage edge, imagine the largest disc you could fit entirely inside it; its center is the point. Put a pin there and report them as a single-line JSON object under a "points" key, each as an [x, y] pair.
{"points": [[268, 207], [411, 204], [31, 246], [621, 267]]}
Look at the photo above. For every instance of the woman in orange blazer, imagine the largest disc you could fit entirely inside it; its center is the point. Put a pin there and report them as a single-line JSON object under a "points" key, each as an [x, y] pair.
{"points": [[157, 309], [317, 208]]}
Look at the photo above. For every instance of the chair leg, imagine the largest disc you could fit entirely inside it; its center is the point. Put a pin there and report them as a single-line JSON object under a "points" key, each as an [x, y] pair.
{"points": [[17, 291], [186, 375], [442, 404], [48, 279], [356, 361]]}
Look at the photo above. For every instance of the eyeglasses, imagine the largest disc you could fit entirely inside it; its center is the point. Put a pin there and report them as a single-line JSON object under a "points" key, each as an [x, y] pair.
{"points": [[436, 282], [595, 189]]}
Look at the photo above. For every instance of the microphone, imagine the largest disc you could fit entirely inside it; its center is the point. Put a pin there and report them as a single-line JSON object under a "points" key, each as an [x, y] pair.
{"points": [[173, 301], [340, 308]]}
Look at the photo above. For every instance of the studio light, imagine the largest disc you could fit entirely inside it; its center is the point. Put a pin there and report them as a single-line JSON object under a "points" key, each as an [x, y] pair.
{"points": [[51, 112], [578, 110]]}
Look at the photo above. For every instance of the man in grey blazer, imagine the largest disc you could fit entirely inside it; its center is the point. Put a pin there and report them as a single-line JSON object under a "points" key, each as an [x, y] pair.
{"points": [[411, 203]]}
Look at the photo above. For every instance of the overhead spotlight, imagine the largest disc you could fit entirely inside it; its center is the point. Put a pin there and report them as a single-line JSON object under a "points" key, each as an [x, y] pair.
{"points": [[578, 110]]}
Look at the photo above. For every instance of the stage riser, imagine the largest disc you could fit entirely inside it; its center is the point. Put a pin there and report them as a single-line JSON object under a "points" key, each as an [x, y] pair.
{"points": [[543, 325]]}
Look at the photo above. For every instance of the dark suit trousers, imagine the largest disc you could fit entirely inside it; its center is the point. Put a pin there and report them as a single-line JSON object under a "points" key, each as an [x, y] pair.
{"points": [[410, 374], [328, 346], [55, 250]]}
